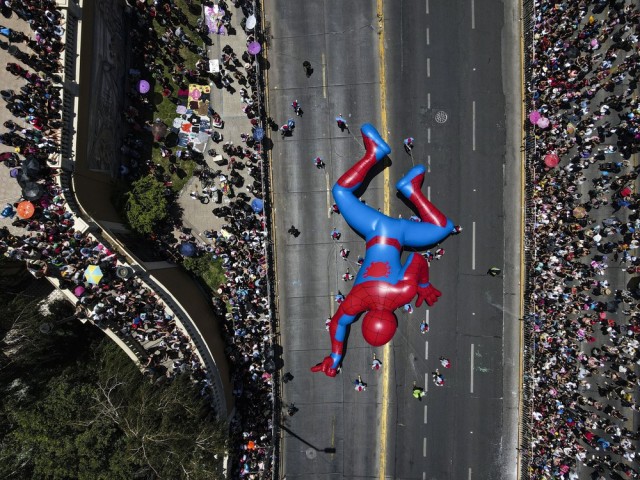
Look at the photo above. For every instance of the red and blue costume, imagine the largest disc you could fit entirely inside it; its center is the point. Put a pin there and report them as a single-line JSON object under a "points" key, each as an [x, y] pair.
{"points": [[383, 283]]}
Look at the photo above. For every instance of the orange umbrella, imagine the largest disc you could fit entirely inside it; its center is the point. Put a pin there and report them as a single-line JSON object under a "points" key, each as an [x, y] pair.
{"points": [[251, 445], [25, 209], [579, 212]]}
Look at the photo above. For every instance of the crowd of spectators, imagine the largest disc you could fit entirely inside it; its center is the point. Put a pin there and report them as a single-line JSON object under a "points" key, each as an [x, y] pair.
{"points": [[53, 247], [240, 245], [585, 316], [50, 243], [159, 34]]}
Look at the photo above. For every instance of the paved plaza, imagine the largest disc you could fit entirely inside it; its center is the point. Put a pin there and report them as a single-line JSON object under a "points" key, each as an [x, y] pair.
{"points": [[10, 191]]}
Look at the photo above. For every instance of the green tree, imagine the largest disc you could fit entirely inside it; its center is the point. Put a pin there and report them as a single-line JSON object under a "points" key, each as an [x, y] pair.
{"points": [[73, 406], [13, 275], [146, 205], [210, 271]]}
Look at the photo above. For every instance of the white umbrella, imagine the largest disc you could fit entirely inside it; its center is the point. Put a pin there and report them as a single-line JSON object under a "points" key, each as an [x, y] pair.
{"points": [[251, 22]]}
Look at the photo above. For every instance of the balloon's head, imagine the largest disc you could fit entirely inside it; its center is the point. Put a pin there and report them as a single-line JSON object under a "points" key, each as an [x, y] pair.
{"points": [[378, 327]]}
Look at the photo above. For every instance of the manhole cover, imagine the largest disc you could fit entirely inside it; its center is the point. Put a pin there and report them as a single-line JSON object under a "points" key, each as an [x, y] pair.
{"points": [[311, 453], [441, 117]]}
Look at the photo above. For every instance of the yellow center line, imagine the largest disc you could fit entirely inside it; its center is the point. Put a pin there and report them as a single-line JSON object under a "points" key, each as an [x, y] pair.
{"points": [[386, 351]]}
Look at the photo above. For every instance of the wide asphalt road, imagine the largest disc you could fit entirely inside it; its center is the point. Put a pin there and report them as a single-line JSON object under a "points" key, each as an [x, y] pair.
{"points": [[439, 57]]}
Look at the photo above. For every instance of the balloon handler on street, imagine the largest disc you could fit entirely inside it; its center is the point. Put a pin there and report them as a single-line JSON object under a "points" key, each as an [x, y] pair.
{"points": [[383, 283]]}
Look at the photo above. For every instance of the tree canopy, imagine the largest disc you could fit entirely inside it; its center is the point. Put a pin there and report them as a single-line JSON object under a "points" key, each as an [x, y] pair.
{"points": [[73, 406], [146, 205]]}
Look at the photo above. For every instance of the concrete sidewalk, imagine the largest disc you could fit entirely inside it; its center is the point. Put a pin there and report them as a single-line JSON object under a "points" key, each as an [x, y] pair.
{"points": [[196, 215], [10, 191]]}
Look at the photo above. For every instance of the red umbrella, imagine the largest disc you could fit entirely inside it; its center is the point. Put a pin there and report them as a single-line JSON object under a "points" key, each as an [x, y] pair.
{"points": [[625, 192], [551, 160]]}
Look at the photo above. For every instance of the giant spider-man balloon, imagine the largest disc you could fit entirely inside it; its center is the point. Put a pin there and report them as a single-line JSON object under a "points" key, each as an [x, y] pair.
{"points": [[383, 283]]}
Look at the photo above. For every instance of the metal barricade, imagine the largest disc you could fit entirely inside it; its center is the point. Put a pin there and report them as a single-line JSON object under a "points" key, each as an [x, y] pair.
{"points": [[529, 148]]}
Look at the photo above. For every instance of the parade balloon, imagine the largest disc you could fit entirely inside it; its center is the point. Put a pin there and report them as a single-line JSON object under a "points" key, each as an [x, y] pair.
{"points": [[384, 282]]}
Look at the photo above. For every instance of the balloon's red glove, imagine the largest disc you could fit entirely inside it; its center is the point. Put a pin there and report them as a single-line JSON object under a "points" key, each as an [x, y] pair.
{"points": [[427, 293], [326, 366]]}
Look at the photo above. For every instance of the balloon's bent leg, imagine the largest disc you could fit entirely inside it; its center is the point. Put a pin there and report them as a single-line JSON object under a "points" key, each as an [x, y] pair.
{"points": [[361, 217], [376, 150], [411, 187]]}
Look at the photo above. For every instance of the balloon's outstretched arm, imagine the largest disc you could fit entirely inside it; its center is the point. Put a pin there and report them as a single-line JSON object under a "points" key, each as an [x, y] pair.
{"points": [[337, 330], [417, 270]]}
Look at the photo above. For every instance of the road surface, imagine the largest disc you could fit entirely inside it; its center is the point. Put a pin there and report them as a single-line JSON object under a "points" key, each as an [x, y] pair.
{"points": [[445, 86]]}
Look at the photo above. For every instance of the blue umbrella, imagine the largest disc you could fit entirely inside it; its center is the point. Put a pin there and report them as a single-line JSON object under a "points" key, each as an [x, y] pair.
{"points": [[187, 249], [258, 134], [257, 205]]}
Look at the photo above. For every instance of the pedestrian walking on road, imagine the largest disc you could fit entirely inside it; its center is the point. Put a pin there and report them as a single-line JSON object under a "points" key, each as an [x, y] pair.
{"points": [[408, 144], [287, 129], [293, 231], [342, 125], [438, 379], [318, 163], [360, 386], [424, 327], [292, 409], [417, 392], [494, 271], [445, 362], [296, 108], [376, 364], [307, 68]]}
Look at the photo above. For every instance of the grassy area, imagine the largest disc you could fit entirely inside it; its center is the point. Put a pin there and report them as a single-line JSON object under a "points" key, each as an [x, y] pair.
{"points": [[209, 271], [214, 275], [165, 108]]}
